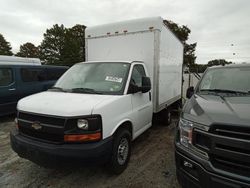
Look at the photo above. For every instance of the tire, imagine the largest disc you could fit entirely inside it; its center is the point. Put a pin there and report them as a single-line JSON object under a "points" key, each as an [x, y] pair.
{"points": [[121, 151], [165, 117]]}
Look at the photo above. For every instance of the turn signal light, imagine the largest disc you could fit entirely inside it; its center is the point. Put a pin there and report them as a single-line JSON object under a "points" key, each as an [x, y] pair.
{"points": [[16, 123], [82, 137]]}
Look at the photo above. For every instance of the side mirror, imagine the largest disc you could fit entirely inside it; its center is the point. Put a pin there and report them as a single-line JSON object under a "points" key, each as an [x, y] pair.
{"points": [[133, 88], [190, 92], [146, 84]]}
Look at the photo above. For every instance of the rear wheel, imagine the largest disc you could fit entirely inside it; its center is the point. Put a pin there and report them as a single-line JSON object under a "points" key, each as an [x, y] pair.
{"points": [[121, 151], [165, 116]]}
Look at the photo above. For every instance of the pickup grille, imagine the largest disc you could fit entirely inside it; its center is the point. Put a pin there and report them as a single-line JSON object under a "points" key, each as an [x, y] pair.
{"points": [[232, 131], [51, 128], [228, 147]]}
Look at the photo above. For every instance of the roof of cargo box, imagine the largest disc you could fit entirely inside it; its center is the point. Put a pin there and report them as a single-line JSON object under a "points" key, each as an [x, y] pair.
{"points": [[113, 61], [143, 24]]}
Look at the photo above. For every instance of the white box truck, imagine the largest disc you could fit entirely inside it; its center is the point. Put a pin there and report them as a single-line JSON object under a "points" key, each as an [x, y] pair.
{"points": [[95, 110]]}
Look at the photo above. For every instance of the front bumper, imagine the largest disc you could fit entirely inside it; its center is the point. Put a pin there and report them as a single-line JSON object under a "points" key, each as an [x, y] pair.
{"points": [[191, 173], [48, 154]]}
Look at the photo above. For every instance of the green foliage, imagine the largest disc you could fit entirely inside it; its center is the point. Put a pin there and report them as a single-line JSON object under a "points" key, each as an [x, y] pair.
{"points": [[198, 68], [74, 50], [182, 32], [52, 46], [5, 47], [217, 62], [28, 50], [63, 46]]}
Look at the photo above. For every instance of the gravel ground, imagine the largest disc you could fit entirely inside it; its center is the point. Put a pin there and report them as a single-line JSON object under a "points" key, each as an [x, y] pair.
{"points": [[151, 165]]}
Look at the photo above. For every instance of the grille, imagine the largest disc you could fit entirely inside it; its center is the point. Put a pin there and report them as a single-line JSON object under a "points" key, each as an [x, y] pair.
{"points": [[41, 135], [41, 118], [228, 147], [232, 131], [52, 129], [233, 166]]}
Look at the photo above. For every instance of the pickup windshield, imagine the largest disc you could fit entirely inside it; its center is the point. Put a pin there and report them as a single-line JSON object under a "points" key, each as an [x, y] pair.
{"points": [[230, 80], [95, 78]]}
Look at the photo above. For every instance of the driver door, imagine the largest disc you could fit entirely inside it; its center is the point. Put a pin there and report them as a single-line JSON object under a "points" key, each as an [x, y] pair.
{"points": [[141, 102]]}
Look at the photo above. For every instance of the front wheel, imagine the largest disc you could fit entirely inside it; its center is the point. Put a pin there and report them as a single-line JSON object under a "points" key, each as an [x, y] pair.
{"points": [[121, 151]]}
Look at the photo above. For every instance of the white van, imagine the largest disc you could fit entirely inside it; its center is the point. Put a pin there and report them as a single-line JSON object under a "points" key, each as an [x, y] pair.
{"points": [[95, 110]]}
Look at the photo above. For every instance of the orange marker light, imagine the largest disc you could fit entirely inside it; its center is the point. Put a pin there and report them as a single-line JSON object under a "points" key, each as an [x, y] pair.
{"points": [[82, 137]]}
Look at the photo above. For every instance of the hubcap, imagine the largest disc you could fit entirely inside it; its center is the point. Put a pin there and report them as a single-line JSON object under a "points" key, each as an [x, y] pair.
{"points": [[122, 151]]}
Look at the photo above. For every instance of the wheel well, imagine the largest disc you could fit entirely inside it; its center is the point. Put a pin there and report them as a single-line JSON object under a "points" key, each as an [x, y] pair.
{"points": [[126, 125]]}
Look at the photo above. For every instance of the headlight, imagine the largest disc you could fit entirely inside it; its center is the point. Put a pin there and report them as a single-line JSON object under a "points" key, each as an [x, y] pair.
{"points": [[82, 124], [186, 132]]}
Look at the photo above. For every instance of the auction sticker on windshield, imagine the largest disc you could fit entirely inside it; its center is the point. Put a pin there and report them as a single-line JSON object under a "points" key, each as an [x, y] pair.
{"points": [[113, 79]]}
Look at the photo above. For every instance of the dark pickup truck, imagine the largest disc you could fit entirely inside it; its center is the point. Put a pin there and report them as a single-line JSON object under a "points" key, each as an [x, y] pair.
{"points": [[213, 135]]}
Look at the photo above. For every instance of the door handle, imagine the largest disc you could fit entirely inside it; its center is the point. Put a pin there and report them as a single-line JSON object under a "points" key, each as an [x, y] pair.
{"points": [[12, 89], [149, 93]]}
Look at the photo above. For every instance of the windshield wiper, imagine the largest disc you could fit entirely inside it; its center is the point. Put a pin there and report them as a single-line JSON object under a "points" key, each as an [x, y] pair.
{"points": [[224, 91], [57, 88], [85, 90]]}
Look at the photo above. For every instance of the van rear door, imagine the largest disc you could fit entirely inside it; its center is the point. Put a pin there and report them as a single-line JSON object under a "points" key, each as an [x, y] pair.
{"points": [[8, 90]]}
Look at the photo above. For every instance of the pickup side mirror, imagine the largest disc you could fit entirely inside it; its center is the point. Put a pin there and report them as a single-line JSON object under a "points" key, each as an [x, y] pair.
{"points": [[190, 92], [146, 84]]}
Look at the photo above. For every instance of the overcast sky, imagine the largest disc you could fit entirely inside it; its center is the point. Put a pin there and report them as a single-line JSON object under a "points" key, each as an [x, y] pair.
{"points": [[221, 28]]}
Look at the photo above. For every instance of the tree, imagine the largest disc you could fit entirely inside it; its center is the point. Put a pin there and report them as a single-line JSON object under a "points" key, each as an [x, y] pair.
{"points": [[74, 48], [28, 50], [52, 46], [63, 46], [217, 62], [182, 32], [198, 68], [5, 47]]}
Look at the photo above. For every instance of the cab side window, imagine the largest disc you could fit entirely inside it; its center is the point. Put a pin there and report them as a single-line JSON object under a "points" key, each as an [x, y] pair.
{"points": [[6, 77], [137, 74]]}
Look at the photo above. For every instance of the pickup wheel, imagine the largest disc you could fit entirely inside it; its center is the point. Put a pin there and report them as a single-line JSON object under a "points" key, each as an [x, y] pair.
{"points": [[121, 151]]}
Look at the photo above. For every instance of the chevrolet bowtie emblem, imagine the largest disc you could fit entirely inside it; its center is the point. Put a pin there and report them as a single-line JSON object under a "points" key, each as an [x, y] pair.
{"points": [[36, 125]]}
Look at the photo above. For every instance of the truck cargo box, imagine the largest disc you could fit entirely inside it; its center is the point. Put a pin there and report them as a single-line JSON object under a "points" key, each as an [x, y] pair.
{"points": [[148, 40]]}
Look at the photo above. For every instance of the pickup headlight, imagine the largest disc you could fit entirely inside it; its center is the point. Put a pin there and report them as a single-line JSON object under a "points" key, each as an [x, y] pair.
{"points": [[186, 132]]}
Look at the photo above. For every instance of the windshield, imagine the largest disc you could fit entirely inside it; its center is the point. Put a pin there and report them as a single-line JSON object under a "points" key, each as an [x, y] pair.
{"points": [[227, 79], [99, 78]]}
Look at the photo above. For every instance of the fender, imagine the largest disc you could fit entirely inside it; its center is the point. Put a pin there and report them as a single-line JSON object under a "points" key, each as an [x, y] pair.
{"points": [[120, 123]]}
